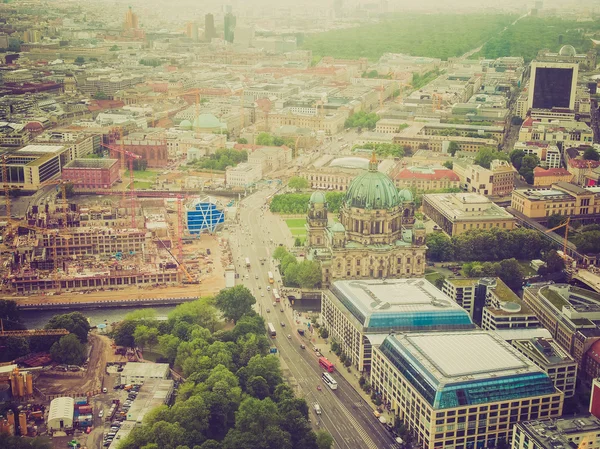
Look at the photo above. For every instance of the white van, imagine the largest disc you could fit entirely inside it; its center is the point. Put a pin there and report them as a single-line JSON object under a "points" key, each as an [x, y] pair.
{"points": [[317, 408]]}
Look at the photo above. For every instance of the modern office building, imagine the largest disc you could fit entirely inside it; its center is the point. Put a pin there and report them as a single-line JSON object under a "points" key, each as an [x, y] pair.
{"points": [[552, 85], [457, 213], [377, 235], [209, 27], [360, 314], [553, 359], [460, 389], [571, 314], [574, 432], [30, 166], [229, 27], [469, 294]]}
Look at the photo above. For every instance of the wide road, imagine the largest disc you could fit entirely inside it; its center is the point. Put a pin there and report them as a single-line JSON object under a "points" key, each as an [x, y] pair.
{"points": [[345, 414]]}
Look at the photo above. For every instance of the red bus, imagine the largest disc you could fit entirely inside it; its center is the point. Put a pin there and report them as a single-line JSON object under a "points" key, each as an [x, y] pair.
{"points": [[326, 364]]}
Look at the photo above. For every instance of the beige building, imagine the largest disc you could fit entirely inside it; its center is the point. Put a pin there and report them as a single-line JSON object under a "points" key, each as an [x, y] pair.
{"points": [[457, 213], [440, 143], [458, 390], [423, 179], [561, 199], [553, 359], [569, 432], [498, 180], [268, 158], [376, 237], [243, 175], [547, 177], [360, 314], [548, 154], [330, 122], [567, 133]]}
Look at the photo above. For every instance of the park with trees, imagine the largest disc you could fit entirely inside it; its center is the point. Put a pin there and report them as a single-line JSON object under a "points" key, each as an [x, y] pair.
{"points": [[297, 203], [304, 274]]}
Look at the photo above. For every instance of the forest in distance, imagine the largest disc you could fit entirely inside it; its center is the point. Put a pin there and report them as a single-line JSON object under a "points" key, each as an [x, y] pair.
{"points": [[427, 35]]}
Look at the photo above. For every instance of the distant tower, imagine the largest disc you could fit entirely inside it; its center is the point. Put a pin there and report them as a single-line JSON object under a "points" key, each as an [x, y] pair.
{"points": [[191, 31], [228, 26], [70, 84], [209, 27], [131, 20], [317, 220]]}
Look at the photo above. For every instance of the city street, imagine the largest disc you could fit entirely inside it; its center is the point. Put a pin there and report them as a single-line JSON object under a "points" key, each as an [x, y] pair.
{"points": [[345, 415]]}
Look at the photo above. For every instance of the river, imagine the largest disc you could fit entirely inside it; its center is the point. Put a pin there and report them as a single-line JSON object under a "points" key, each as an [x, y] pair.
{"points": [[35, 319]]}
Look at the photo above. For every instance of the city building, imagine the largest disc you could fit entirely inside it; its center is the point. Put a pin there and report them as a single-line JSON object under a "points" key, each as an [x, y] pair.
{"points": [[153, 393], [92, 173], [504, 310], [568, 54], [460, 389], [131, 20], [457, 213], [376, 237], [576, 432], [440, 143], [229, 22], [580, 168], [423, 179], [548, 154], [562, 198], [209, 27], [552, 85], [152, 147], [470, 294], [595, 398], [329, 173], [591, 362], [204, 215], [498, 180], [556, 132], [60, 416], [267, 158], [543, 177], [553, 359], [360, 314], [569, 313], [135, 373], [243, 175], [329, 122]]}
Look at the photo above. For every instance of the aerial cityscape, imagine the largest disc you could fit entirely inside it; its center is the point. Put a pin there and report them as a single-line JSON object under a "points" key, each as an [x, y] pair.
{"points": [[350, 224]]}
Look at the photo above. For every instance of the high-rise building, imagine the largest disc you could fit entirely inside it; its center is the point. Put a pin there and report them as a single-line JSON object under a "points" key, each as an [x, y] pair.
{"points": [[209, 27], [228, 27], [552, 85], [191, 30], [131, 20]]}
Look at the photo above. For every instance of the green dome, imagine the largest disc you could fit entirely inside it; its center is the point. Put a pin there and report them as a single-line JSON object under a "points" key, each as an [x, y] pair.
{"points": [[372, 190], [338, 227], [185, 124], [419, 224], [207, 121], [406, 195], [317, 198]]}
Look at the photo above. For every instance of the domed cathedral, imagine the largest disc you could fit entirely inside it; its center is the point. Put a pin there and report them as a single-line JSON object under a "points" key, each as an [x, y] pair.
{"points": [[376, 236]]}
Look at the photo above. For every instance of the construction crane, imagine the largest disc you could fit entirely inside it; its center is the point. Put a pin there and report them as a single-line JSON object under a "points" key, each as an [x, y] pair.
{"points": [[566, 238], [130, 158], [179, 263], [31, 332]]}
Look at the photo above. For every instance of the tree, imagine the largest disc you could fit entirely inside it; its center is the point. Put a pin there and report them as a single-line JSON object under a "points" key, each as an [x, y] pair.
{"points": [[554, 262], [13, 347], [279, 253], [439, 282], [68, 350], [297, 242], [114, 48], [123, 333], [516, 157], [258, 387], [309, 274], [265, 139], [75, 322], [140, 164], [528, 164], [439, 247], [242, 141], [486, 155], [324, 440], [100, 96], [141, 335], [10, 315], [590, 154], [324, 333], [588, 242], [516, 120], [453, 147], [449, 165], [298, 183], [511, 273], [235, 302], [362, 119], [79, 60]]}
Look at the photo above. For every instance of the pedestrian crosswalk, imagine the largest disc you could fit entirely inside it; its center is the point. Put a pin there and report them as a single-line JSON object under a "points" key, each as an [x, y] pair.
{"points": [[370, 444]]}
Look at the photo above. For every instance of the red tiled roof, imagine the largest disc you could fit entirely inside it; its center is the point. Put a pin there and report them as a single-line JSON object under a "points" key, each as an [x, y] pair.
{"points": [[436, 175], [539, 171], [528, 122], [582, 163], [594, 351]]}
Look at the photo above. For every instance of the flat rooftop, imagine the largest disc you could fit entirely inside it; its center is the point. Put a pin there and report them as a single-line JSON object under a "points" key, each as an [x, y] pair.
{"points": [[559, 433], [466, 207], [409, 304], [135, 369], [40, 149], [91, 163], [453, 369]]}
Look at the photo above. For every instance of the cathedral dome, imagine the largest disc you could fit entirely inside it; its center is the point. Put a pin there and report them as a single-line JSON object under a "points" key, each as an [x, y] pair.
{"points": [[406, 195], [372, 190], [338, 227], [185, 124], [317, 198], [207, 121], [567, 50]]}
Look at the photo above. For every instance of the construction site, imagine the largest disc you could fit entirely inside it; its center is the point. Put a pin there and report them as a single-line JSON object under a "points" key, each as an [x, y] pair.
{"points": [[113, 242]]}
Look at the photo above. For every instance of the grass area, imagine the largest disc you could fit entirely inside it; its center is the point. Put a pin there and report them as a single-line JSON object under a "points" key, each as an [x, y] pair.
{"points": [[142, 185], [145, 175], [557, 300], [413, 34], [433, 276], [295, 222], [152, 356], [297, 232]]}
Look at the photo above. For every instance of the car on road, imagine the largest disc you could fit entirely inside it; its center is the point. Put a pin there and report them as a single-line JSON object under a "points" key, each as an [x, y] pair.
{"points": [[262, 294], [281, 310], [268, 310], [256, 276], [268, 288], [101, 414], [274, 304], [282, 324], [289, 336], [302, 346]]}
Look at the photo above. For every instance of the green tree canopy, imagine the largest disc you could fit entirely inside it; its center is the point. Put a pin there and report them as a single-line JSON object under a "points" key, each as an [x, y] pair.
{"points": [[362, 120], [590, 154], [74, 322], [298, 183], [235, 302], [69, 350], [486, 155], [453, 148], [439, 247]]}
